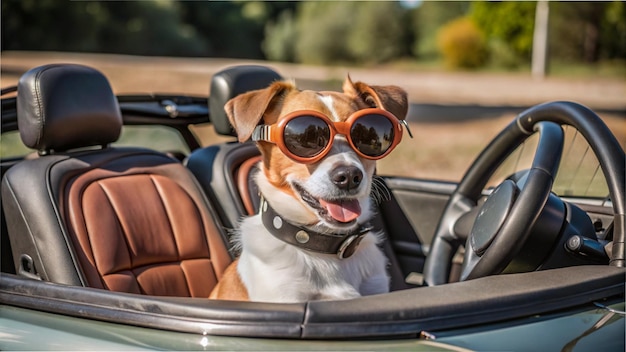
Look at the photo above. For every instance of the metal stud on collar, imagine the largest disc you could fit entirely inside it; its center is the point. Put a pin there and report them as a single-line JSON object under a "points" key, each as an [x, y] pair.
{"points": [[302, 236]]}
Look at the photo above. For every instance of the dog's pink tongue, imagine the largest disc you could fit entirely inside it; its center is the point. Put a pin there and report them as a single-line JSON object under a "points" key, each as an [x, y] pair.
{"points": [[343, 210]]}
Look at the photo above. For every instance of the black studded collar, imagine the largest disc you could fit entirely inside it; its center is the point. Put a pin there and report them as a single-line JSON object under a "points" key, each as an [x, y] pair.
{"points": [[343, 246]]}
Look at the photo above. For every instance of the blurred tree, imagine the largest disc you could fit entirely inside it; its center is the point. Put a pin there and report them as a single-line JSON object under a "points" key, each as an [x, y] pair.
{"points": [[146, 28], [232, 28], [508, 26], [428, 18], [235, 28], [588, 31], [280, 38], [141, 27], [462, 44], [346, 31], [307, 31], [321, 30], [51, 26], [613, 31], [577, 27], [376, 34]]}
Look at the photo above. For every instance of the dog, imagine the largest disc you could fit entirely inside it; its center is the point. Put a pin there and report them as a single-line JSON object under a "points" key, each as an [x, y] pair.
{"points": [[311, 239]]}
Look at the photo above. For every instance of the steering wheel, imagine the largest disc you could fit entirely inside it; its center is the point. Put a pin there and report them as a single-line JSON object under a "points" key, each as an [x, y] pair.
{"points": [[502, 224]]}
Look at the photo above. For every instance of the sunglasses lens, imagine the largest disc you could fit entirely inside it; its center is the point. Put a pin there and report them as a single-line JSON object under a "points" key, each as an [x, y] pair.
{"points": [[306, 136], [372, 135]]}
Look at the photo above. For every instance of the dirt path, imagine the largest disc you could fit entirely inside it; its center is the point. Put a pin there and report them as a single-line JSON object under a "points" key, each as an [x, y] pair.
{"points": [[129, 74]]}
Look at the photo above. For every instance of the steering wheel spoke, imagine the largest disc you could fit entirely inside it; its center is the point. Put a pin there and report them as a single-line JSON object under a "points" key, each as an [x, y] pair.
{"points": [[451, 232]]}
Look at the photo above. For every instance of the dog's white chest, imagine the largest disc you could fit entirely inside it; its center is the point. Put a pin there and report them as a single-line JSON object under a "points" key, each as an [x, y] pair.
{"points": [[275, 271]]}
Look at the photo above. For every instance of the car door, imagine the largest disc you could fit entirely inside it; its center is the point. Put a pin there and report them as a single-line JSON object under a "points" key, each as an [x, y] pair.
{"points": [[410, 213]]}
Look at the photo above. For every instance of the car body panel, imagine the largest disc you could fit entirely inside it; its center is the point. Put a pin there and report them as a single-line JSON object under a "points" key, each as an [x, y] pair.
{"points": [[598, 329], [593, 328], [24, 329]]}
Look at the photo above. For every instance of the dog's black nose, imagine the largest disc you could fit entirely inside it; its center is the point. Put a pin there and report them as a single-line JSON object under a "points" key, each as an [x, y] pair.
{"points": [[346, 177]]}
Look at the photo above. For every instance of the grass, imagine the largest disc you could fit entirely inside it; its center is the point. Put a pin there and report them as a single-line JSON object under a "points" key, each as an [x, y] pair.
{"points": [[608, 69], [11, 145], [441, 150], [603, 69]]}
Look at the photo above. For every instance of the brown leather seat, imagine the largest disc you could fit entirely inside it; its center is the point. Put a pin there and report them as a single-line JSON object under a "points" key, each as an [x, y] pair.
{"points": [[246, 185], [84, 213]]}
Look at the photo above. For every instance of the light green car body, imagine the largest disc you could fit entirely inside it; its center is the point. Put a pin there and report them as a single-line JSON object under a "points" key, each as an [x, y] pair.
{"points": [[594, 328]]}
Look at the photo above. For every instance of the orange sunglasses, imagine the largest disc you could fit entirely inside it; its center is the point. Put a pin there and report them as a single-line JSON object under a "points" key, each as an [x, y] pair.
{"points": [[306, 136]]}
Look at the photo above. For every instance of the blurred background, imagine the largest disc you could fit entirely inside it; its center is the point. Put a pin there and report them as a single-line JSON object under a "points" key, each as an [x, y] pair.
{"points": [[496, 35], [469, 67]]}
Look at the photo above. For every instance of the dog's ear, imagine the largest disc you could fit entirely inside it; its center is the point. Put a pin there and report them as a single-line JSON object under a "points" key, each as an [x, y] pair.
{"points": [[246, 110], [391, 98]]}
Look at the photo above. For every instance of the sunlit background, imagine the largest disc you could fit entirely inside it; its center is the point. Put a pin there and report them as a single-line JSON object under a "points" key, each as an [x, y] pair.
{"points": [[469, 67]]}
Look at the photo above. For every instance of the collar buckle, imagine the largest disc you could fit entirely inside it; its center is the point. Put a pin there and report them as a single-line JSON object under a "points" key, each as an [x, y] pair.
{"points": [[349, 245]]}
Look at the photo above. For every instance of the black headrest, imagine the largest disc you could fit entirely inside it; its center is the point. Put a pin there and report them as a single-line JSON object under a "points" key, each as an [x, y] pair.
{"points": [[66, 106], [231, 82]]}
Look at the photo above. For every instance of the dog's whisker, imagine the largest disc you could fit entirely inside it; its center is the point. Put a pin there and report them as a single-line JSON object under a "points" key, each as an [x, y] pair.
{"points": [[380, 191]]}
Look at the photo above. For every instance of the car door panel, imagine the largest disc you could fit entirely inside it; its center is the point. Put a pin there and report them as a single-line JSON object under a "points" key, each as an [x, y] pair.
{"points": [[411, 216]]}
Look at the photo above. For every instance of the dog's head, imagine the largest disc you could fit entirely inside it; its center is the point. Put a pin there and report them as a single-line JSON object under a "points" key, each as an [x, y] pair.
{"points": [[327, 189]]}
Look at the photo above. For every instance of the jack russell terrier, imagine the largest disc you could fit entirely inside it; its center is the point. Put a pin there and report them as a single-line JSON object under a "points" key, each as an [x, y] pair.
{"points": [[311, 239]]}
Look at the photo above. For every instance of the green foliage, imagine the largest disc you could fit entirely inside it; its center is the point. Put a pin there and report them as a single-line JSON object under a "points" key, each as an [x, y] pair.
{"points": [[231, 28], [322, 31], [345, 31], [162, 27], [317, 32], [588, 31], [508, 25], [428, 19], [613, 31], [146, 28], [502, 55], [54, 25], [280, 38], [462, 44], [11, 145], [376, 34]]}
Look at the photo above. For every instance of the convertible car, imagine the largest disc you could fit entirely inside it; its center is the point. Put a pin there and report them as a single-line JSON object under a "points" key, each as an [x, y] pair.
{"points": [[532, 259]]}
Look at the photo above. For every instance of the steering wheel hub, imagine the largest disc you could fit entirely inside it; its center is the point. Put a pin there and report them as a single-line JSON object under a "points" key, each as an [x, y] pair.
{"points": [[492, 215]]}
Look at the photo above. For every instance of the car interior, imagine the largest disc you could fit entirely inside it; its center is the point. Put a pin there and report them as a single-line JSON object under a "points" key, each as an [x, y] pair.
{"points": [[147, 231]]}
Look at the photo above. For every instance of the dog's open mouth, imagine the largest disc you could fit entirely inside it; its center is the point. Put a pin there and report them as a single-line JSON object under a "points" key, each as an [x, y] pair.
{"points": [[337, 210]]}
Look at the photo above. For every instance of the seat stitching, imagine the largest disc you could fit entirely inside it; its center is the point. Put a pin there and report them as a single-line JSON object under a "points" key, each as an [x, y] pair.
{"points": [[38, 99], [169, 218], [95, 263], [121, 227], [169, 221]]}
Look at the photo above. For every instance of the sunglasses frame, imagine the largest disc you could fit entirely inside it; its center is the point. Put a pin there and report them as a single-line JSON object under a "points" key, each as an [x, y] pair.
{"points": [[274, 133]]}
